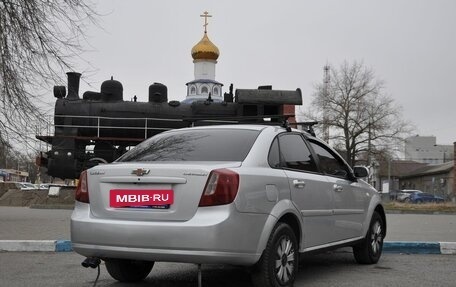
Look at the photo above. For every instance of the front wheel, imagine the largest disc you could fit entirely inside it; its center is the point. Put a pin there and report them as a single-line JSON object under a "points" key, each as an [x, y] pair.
{"points": [[128, 270], [279, 263], [370, 249]]}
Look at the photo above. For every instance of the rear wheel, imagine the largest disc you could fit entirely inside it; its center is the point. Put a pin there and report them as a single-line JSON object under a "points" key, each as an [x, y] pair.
{"points": [[279, 263], [370, 249], [128, 270]]}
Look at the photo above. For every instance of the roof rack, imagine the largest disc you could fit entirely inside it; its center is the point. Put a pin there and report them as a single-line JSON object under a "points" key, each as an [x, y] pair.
{"points": [[264, 119], [282, 120], [309, 126]]}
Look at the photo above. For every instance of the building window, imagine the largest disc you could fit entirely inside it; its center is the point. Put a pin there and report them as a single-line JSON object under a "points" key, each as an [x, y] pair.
{"points": [[204, 90], [192, 90], [216, 91]]}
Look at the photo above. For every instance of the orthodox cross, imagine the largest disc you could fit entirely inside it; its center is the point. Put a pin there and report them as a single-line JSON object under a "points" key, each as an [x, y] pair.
{"points": [[206, 15]]}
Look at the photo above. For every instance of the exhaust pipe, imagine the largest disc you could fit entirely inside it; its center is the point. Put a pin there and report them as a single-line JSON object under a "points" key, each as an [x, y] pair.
{"points": [[73, 85], [91, 262]]}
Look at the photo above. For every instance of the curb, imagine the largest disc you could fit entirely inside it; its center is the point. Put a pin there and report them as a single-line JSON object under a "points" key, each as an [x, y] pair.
{"points": [[36, 245], [54, 206], [412, 247], [420, 247], [408, 211], [407, 247]]}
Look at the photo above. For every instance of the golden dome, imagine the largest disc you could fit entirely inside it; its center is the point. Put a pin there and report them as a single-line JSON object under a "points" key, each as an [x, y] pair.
{"points": [[205, 50]]}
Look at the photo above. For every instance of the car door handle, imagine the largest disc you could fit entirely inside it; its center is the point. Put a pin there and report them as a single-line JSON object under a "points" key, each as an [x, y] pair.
{"points": [[338, 188], [299, 183]]}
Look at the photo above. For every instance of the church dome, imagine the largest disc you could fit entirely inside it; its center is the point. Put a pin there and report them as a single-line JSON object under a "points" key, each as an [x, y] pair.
{"points": [[205, 50]]}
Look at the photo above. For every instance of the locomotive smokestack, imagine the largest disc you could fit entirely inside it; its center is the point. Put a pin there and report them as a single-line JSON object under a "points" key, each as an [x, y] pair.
{"points": [[73, 85], [158, 93]]}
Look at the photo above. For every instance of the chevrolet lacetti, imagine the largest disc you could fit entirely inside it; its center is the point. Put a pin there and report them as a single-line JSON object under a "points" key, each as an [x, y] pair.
{"points": [[251, 195]]}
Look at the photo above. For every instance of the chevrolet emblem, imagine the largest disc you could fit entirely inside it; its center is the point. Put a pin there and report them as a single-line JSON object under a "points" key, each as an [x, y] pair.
{"points": [[140, 171]]}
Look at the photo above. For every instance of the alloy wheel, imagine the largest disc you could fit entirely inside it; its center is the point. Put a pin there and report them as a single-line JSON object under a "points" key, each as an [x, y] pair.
{"points": [[285, 260], [376, 237]]}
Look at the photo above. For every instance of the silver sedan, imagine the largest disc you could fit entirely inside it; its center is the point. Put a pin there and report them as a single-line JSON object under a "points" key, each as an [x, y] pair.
{"points": [[252, 195]]}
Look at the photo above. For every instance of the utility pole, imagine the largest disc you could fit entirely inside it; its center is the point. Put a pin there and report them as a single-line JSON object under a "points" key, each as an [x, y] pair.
{"points": [[369, 144], [389, 174], [326, 79]]}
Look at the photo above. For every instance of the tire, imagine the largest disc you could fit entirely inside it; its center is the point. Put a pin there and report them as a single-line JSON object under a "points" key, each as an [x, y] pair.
{"points": [[128, 270], [278, 264], [370, 249]]}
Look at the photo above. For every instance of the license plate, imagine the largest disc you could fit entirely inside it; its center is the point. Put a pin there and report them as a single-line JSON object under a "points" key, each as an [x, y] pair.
{"points": [[160, 199]]}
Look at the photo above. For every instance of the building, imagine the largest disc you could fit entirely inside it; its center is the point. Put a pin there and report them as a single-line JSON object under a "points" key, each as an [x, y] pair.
{"points": [[386, 176], [205, 55], [426, 150], [204, 86], [437, 179], [13, 175]]}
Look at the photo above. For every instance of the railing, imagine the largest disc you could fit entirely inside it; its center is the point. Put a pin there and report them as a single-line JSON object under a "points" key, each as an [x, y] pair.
{"points": [[99, 125], [267, 119]]}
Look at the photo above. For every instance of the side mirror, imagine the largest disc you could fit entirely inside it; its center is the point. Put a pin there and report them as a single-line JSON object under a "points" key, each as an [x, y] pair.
{"points": [[360, 171]]}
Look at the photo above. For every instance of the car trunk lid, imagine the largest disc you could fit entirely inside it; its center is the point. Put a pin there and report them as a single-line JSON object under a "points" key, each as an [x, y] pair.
{"points": [[165, 191]]}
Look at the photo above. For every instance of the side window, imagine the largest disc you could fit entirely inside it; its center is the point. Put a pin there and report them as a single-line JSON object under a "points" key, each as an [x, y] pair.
{"points": [[274, 157], [295, 153], [329, 164]]}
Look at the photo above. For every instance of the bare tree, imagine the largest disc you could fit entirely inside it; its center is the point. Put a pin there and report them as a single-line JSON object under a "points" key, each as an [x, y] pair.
{"points": [[362, 120], [38, 41]]}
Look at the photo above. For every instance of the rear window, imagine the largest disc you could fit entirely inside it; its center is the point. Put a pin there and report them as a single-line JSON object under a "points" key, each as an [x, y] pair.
{"points": [[194, 145]]}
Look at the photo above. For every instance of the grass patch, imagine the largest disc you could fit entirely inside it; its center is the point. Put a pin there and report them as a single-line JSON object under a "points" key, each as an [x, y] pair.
{"points": [[425, 207]]}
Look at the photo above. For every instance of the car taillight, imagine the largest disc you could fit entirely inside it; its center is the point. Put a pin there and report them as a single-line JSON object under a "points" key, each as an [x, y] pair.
{"points": [[82, 192], [221, 188]]}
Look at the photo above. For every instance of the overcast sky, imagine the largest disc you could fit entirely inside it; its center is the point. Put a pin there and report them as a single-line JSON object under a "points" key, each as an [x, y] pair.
{"points": [[411, 46]]}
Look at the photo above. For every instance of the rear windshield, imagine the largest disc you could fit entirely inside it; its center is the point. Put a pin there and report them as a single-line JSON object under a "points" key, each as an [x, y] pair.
{"points": [[194, 145]]}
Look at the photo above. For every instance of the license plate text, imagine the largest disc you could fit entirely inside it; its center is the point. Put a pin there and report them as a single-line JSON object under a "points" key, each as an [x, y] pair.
{"points": [[131, 198]]}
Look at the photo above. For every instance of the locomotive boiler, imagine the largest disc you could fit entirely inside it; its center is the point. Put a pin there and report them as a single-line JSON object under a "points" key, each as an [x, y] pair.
{"points": [[101, 126]]}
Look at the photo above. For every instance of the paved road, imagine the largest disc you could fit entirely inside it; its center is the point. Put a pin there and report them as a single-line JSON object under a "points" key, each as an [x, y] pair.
{"points": [[333, 269], [51, 224], [42, 269], [39, 224], [421, 227]]}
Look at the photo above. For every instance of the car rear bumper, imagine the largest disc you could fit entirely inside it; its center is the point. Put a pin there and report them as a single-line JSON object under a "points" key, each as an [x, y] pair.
{"points": [[219, 235]]}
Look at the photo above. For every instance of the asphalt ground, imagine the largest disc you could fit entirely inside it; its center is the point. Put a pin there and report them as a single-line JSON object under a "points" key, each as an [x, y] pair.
{"points": [[44, 269], [23, 223], [336, 268]]}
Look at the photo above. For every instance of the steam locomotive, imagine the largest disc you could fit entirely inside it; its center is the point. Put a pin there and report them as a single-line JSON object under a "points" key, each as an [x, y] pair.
{"points": [[102, 126]]}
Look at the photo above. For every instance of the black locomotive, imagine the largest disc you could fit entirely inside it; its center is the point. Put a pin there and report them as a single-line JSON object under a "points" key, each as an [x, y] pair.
{"points": [[102, 126]]}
